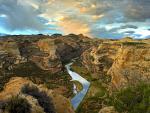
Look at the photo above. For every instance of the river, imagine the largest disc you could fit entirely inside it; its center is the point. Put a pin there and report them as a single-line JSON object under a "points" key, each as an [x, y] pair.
{"points": [[77, 99]]}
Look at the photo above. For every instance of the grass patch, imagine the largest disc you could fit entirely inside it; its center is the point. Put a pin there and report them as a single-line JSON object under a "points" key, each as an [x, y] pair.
{"points": [[133, 99], [39, 76], [79, 85], [81, 70], [92, 101], [90, 105], [133, 43]]}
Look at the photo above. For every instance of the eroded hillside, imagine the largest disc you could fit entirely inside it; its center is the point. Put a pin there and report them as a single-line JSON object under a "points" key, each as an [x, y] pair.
{"points": [[118, 71], [126, 61], [39, 60]]}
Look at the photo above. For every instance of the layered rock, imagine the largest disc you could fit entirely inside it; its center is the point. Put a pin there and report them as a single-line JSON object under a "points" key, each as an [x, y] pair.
{"points": [[47, 57], [9, 53], [48, 52], [131, 65], [71, 46], [125, 61], [99, 59]]}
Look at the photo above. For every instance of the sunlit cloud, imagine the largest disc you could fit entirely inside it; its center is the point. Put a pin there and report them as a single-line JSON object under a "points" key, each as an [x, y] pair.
{"points": [[71, 25], [95, 18]]}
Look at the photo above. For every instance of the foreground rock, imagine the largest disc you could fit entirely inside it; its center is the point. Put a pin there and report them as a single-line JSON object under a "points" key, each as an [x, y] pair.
{"points": [[15, 85]]}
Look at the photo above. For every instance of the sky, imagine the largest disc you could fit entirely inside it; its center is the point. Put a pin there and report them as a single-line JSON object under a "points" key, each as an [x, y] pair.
{"points": [[94, 18]]}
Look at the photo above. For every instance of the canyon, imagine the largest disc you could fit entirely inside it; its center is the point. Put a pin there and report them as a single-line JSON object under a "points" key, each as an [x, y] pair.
{"points": [[110, 65]]}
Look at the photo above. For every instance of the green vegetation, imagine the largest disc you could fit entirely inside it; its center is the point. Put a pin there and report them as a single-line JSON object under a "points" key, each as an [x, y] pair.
{"points": [[4, 78], [39, 76], [58, 41], [44, 100], [80, 69], [132, 99], [17, 105], [133, 43], [92, 103], [79, 85]]}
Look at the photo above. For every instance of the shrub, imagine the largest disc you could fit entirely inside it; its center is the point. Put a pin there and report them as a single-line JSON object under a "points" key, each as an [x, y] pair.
{"points": [[43, 99], [133, 43], [133, 99], [17, 105], [39, 76]]}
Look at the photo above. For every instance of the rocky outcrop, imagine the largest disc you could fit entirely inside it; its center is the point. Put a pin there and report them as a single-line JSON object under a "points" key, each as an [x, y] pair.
{"points": [[109, 109], [125, 61], [15, 85], [47, 57], [48, 52], [9, 54], [131, 65], [99, 59], [71, 46]]}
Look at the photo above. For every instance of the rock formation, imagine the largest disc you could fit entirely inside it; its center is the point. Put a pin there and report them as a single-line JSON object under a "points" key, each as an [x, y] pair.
{"points": [[126, 62], [48, 52], [15, 85], [122, 63], [131, 65]]}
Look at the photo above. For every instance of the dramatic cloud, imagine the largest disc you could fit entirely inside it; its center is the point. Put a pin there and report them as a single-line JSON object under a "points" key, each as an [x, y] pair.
{"points": [[20, 15], [96, 18], [137, 10], [128, 26], [71, 25], [104, 33], [129, 32]]}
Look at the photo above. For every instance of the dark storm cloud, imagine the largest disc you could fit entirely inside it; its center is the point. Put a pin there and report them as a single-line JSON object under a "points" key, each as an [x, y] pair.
{"points": [[130, 32], [122, 10], [96, 7], [20, 16], [137, 10], [103, 33], [128, 26]]}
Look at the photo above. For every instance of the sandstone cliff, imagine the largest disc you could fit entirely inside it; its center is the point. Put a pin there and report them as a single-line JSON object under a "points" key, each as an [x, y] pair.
{"points": [[48, 52], [131, 65], [99, 59], [125, 61]]}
